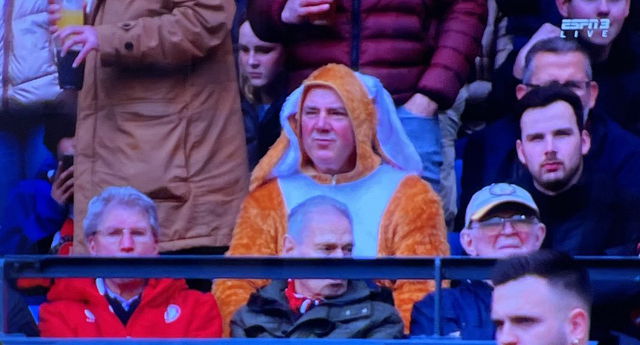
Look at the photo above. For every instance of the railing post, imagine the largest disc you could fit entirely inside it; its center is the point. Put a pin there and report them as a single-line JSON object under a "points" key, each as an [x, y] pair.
{"points": [[4, 305], [437, 324]]}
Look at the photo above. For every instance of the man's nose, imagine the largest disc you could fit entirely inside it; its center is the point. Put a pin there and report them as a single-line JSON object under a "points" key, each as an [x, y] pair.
{"points": [[505, 336], [507, 228], [550, 145], [127, 243], [603, 8], [323, 120]]}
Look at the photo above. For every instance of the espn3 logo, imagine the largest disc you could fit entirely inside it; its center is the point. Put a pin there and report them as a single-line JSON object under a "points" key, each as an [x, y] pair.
{"points": [[591, 25]]}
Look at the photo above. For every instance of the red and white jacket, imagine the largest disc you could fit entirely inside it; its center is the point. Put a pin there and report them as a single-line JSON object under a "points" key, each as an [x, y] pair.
{"points": [[168, 309]]}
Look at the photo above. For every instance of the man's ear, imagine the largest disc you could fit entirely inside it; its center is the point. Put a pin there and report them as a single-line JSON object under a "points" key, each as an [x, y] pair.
{"points": [[541, 232], [520, 152], [563, 7], [585, 138], [288, 246], [594, 89], [578, 324], [521, 90], [466, 240], [92, 244]]}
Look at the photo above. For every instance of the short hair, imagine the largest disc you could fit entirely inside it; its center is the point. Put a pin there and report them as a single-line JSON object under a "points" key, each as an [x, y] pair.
{"points": [[560, 270], [544, 95], [298, 215], [556, 45], [122, 196]]}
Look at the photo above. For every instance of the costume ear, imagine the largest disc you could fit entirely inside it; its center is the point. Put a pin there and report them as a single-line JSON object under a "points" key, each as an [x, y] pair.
{"points": [[466, 240]]}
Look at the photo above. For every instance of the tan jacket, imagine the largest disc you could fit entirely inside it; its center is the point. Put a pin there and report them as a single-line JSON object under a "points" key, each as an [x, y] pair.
{"points": [[160, 111], [412, 224]]}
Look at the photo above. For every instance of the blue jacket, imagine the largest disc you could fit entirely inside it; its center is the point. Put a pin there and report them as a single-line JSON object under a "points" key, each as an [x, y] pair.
{"points": [[466, 312]]}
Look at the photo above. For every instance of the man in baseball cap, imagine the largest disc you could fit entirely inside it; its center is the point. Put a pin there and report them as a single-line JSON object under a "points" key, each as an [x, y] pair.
{"points": [[501, 220]]}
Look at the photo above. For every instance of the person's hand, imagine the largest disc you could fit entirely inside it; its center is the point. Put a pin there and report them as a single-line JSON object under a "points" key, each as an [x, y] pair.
{"points": [[62, 186], [421, 105], [84, 35], [314, 11], [545, 31], [54, 11]]}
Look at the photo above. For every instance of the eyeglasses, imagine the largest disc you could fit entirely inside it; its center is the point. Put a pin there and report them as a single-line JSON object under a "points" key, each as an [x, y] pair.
{"points": [[573, 85], [495, 225], [115, 235]]}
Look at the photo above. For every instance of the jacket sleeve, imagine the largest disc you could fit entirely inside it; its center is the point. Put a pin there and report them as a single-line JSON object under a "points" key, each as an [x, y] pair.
{"points": [[459, 37], [188, 30], [264, 17], [259, 230], [55, 320], [413, 225], [206, 321]]}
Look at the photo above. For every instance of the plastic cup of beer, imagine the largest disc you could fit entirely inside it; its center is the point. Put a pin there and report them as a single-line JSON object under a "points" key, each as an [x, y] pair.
{"points": [[68, 76]]}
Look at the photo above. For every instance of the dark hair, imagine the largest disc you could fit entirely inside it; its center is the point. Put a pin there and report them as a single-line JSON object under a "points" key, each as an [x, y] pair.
{"points": [[542, 96], [560, 270], [556, 45], [60, 121]]}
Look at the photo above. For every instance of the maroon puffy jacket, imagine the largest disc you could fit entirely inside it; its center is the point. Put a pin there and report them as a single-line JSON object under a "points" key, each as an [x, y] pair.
{"points": [[412, 46]]}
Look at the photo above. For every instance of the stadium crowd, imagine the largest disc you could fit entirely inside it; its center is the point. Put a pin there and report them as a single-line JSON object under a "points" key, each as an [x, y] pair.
{"points": [[503, 129]]}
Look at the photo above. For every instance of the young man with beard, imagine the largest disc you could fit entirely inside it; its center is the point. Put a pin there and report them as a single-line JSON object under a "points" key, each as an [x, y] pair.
{"points": [[587, 213]]}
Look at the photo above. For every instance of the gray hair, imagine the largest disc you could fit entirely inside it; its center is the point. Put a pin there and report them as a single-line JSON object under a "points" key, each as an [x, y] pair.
{"points": [[298, 216], [122, 196], [556, 45]]}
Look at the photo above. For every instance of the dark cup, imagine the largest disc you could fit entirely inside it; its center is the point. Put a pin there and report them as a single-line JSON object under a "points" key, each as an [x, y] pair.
{"points": [[68, 76]]}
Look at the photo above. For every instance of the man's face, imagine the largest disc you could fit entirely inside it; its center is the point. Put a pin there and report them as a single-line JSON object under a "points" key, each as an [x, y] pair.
{"points": [[327, 133], [503, 233], [552, 146], [615, 10], [123, 231], [569, 69], [327, 234], [259, 61], [526, 311]]}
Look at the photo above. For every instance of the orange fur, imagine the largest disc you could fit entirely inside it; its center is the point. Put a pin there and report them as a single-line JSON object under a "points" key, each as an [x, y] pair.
{"points": [[412, 225]]}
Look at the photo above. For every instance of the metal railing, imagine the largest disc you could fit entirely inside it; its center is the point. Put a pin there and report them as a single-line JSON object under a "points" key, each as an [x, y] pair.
{"points": [[211, 267]]}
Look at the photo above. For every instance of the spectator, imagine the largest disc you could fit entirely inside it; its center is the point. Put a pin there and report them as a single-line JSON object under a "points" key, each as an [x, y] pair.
{"points": [[336, 143], [41, 207], [587, 214], [160, 111], [317, 308], [490, 154], [122, 222], [614, 53], [541, 298], [20, 319], [263, 91], [422, 52], [29, 84], [502, 220]]}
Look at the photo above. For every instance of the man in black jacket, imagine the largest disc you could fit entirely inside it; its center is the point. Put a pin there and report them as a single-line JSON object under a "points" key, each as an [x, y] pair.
{"points": [[317, 308]]}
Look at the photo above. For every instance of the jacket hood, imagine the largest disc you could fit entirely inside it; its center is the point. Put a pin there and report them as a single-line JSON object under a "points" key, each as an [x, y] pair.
{"points": [[378, 133]]}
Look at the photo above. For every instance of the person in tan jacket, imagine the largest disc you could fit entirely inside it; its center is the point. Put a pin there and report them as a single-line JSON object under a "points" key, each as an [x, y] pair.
{"points": [[160, 111], [341, 138]]}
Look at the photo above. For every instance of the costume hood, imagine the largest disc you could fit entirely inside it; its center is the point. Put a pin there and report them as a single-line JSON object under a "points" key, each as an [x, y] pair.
{"points": [[378, 133]]}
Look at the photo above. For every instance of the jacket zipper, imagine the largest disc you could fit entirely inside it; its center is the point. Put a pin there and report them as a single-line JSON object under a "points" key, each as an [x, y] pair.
{"points": [[355, 32]]}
